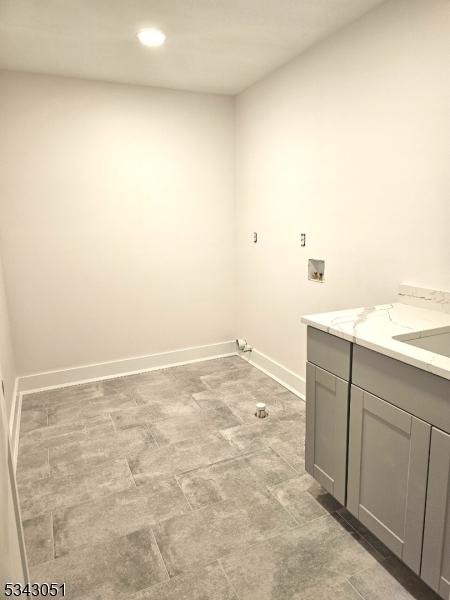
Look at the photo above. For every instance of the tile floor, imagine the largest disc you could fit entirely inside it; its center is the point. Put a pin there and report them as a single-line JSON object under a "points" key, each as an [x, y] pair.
{"points": [[164, 485]]}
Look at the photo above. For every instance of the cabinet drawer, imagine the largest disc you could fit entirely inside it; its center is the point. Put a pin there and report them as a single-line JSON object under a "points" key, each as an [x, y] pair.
{"points": [[329, 352], [422, 394]]}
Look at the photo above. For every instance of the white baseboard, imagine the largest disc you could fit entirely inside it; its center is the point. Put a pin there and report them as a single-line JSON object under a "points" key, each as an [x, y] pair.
{"points": [[108, 370], [14, 421], [127, 366], [290, 380]]}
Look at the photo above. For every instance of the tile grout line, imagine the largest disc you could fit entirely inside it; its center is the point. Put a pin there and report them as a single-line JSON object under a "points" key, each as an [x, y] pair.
{"points": [[240, 453], [53, 534], [297, 473], [82, 478], [160, 553], [301, 524], [212, 464], [284, 507], [152, 436], [240, 548], [184, 495], [356, 590], [195, 400], [219, 562], [112, 423], [131, 472], [270, 538]]}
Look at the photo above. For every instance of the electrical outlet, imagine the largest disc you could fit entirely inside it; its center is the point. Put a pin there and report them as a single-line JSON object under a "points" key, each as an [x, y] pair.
{"points": [[255, 237], [303, 240]]}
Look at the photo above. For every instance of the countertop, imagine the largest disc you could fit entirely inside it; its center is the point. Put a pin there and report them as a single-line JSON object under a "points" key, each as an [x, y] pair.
{"points": [[375, 327]]}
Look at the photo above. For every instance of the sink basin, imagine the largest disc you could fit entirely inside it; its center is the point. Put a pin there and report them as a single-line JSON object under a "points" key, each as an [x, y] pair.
{"points": [[433, 340]]}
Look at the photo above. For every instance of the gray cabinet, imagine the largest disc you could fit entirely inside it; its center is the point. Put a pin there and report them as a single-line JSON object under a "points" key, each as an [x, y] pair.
{"points": [[329, 352], [387, 473], [436, 542], [422, 394], [378, 439], [327, 400]]}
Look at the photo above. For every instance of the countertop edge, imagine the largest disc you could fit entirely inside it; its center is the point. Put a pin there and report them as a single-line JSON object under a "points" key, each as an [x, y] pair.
{"points": [[425, 365]]}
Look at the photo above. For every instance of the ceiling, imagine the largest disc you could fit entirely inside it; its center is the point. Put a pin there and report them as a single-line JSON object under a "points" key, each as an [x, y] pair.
{"points": [[219, 46]]}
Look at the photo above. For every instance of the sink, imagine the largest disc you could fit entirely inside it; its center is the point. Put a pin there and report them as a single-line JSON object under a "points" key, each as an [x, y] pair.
{"points": [[433, 340]]}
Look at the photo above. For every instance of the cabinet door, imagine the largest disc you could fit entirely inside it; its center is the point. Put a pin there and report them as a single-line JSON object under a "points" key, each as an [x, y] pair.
{"points": [[387, 473], [326, 430], [436, 541]]}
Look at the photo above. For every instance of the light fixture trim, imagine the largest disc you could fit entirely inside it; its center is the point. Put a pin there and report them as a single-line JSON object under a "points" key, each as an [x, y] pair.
{"points": [[151, 37]]}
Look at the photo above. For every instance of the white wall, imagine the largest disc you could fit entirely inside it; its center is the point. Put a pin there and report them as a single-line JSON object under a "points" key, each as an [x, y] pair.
{"points": [[117, 202], [117, 219], [7, 358], [350, 144]]}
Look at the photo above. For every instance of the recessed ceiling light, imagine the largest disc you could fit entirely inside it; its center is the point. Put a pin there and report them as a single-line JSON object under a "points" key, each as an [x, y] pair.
{"points": [[151, 37]]}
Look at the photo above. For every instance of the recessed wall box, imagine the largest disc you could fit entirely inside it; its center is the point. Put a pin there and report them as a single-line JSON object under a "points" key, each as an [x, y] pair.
{"points": [[316, 270]]}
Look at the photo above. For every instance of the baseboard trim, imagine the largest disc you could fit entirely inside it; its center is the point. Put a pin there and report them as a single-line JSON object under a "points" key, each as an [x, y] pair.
{"points": [[288, 379], [128, 366], [14, 422]]}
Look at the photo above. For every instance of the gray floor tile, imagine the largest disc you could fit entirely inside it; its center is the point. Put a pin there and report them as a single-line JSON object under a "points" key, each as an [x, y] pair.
{"points": [[117, 514], [294, 563], [107, 571], [180, 457], [110, 477], [270, 467], [324, 591], [235, 478], [38, 533], [243, 485], [181, 428], [290, 445], [278, 405], [298, 502], [234, 380], [206, 583], [204, 535], [51, 436], [170, 391], [47, 436], [258, 434], [362, 530], [78, 411], [242, 405], [155, 410], [85, 391], [305, 483], [151, 383], [93, 451], [391, 579], [32, 465], [208, 399], [45, 495], [33, 418], [224, 480], [187, 382]]}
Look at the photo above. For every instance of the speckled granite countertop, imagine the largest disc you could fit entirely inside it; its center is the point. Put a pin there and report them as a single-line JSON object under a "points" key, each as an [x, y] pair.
{"points": [[379, 328]]}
